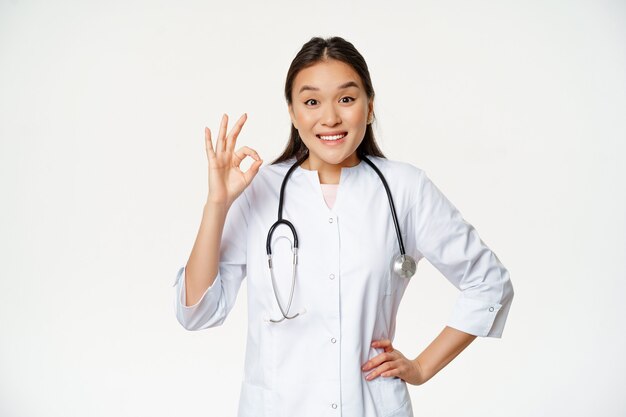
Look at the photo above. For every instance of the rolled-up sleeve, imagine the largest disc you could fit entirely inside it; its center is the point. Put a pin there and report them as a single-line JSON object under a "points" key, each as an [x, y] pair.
{"points": [[218, 299], [453, 246]]}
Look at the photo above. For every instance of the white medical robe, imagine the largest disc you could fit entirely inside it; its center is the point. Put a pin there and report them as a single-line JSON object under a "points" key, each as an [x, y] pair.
{"points": [[345, 291]]}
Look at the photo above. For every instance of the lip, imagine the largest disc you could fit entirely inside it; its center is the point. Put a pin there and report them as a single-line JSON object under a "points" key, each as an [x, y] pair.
{"points": [[337, 132], [336, 142]]}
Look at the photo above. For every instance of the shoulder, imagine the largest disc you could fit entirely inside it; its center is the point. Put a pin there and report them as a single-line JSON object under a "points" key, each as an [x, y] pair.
{"points": [[402, 172], [268, 179], [405, 181], [269, 174]]}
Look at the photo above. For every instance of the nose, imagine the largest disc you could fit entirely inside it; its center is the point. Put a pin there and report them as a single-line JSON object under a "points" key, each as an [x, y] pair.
{"points": [[330, 116]]}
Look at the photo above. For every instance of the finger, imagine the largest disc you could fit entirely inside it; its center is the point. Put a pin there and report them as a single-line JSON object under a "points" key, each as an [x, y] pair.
{"points": [[254, 168], [221, 137], [252, 171], [241, 153], [210, 153], [377, 360], [385, 367], [392, 372], [383, 343], [231, 139]]}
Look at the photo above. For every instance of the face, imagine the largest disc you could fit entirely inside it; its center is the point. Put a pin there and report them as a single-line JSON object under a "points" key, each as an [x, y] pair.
{"points": [[330, 109]]}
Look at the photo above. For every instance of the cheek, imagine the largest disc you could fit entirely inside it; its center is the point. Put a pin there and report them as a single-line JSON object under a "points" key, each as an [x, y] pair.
{"points": [[305, 120], [358, 112], [358, 117]]}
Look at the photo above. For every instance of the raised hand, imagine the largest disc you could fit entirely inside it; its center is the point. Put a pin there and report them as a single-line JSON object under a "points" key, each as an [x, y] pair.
{"points": [[226, 180]]}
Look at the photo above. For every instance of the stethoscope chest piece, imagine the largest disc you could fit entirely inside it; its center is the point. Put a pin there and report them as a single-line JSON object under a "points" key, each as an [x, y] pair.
{"points": [[405, 266]]}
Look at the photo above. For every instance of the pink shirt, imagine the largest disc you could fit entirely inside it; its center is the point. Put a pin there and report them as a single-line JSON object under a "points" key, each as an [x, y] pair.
{"points": [[330, 193]]}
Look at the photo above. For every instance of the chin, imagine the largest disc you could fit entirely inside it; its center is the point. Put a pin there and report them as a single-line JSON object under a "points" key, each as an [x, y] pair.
{"points": [[338, 160], [328, 155]]}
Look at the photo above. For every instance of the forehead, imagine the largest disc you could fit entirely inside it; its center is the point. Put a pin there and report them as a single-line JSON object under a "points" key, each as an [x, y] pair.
{"points": [[326, 75]]}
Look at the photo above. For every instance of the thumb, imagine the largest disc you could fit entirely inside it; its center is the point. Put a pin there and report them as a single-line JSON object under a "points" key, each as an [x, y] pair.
{"points": [[252, 171]]}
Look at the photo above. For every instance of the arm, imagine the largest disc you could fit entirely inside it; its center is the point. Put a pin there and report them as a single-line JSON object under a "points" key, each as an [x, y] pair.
{"points": [[453, 246], [441, 351], [217, 288], [434, 358], [202, 266], [217, 263]]}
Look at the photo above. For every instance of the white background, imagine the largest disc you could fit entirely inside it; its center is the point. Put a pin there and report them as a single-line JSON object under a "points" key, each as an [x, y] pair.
{"points": [[515, 109]]}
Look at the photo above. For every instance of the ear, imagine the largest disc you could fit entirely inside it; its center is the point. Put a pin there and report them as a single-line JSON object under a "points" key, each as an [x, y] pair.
{"points": [[292, 116], [370, 111]]}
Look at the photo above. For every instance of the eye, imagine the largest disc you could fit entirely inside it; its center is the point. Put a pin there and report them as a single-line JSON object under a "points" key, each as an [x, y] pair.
{"points": [[349, 99], [311, 99]]}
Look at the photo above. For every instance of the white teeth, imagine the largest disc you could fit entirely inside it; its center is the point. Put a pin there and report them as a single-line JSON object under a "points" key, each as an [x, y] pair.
{"points": [[334, 137]]}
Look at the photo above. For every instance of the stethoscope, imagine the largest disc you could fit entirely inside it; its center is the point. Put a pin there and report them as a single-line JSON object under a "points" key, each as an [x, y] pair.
{"points": [[403, 265]]}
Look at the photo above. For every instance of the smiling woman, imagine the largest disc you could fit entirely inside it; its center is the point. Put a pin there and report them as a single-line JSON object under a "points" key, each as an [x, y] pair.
{"points": [[326, 348], [330, 113]]}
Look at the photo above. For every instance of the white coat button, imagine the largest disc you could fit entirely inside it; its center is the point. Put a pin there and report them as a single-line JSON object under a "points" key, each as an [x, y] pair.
{"points": [[331, 276], [334, 405], [490, 308], [333, 340], [330, 220]]}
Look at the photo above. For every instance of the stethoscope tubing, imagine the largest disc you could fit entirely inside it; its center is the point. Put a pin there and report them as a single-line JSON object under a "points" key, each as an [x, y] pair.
{"points": [[391, 205], [401, 261]]}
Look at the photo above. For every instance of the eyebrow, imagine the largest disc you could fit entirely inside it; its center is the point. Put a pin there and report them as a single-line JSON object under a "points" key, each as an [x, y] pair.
{"points": [[342, 86]]}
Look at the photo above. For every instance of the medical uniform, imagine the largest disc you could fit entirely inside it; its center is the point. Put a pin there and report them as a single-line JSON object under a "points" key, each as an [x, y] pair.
{"points": [[345, 292]]}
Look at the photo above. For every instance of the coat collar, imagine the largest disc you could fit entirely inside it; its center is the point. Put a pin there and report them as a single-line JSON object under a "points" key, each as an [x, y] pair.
{"points": [[313, 175]]}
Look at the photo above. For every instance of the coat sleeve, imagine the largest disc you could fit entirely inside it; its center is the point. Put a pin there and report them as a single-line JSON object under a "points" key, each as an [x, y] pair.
{"points": [[218, 300], [454, 247]]}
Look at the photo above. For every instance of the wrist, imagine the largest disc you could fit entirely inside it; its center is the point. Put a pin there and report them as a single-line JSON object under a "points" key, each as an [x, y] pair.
{"points": [[422, 371], [215, 208]]}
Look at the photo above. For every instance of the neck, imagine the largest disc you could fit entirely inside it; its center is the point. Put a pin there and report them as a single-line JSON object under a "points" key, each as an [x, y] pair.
{"points": [[329, 173]]}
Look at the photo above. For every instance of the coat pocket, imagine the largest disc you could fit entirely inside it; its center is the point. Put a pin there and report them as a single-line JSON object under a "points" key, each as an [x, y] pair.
{"points": [[393, 397]]}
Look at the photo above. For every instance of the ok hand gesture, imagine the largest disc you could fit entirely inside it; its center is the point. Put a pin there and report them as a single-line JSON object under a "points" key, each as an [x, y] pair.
{"points": [[226, 180]]}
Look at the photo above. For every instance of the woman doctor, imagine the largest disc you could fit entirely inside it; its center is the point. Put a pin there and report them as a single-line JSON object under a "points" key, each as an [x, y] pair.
{"points": [[321, 327]]}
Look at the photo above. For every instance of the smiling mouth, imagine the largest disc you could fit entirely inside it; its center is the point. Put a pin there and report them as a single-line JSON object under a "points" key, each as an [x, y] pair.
{"points": [[332, 137]]}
